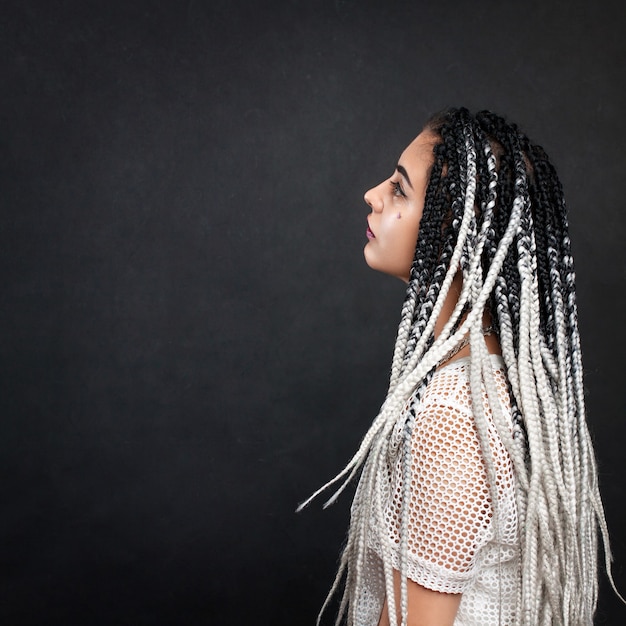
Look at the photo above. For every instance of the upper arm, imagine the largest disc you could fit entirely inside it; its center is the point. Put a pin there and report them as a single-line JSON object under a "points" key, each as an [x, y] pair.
{"points": [[425, 607], [449, 510]]}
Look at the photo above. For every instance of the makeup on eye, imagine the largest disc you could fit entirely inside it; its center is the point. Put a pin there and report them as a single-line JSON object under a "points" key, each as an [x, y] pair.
{"points": [[397, 188]]}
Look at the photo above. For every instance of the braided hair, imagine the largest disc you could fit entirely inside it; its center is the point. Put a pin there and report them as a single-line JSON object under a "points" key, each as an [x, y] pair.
{"points": [[494, 209]]}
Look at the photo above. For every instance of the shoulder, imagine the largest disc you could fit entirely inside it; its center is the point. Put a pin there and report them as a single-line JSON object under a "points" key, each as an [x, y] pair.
{"points": [[444, 418], [449, 387], [450, 384]]}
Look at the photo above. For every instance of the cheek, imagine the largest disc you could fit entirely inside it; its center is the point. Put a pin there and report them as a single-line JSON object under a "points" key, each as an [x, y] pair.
{"points": [[408, 243], [399, 237], [393, 250], [411, 231], [401, 234]]}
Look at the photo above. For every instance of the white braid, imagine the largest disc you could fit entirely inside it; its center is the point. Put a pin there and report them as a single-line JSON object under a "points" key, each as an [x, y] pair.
{"points": [[558, 502]]}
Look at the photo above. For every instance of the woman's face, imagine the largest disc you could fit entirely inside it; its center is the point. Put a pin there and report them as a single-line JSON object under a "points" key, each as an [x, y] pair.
{"points": [[397, 205]]}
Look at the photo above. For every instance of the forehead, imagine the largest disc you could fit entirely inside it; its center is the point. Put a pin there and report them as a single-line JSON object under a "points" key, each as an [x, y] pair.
{"points": [[419, 153]]}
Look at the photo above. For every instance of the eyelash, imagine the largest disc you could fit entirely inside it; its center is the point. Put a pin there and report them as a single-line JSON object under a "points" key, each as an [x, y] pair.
{"points": [[397, 189]]}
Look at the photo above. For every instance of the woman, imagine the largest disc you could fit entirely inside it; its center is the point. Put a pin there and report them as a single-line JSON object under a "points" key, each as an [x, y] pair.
{"points": [[478, 501]]}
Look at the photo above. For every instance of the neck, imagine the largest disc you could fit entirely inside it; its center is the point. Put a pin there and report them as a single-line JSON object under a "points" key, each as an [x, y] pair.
{"points": [[449, 304]]}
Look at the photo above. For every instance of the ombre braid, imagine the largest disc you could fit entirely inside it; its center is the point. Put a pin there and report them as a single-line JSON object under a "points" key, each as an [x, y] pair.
{"points": [[494, 208]]}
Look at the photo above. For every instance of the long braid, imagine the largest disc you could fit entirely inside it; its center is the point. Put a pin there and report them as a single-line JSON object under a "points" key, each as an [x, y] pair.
{"points": [[493, 208]]}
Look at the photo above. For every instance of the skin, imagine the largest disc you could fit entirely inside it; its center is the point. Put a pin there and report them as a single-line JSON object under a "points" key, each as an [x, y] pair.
{"points": [[426, 607], [397, 205]]}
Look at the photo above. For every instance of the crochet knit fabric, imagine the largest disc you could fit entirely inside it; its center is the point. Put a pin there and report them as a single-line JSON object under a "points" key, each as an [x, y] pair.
{"points": [[454, 543]]}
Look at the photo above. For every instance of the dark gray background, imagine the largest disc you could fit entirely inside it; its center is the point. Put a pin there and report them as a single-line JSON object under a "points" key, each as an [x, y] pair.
{"points": [[191, 341]]}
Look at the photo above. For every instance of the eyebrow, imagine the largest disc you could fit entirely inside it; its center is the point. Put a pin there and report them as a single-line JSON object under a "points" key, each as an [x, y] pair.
{"points": [[404, 173]]}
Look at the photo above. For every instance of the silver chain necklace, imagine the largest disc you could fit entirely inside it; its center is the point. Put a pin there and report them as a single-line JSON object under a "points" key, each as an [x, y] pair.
{"points": [[489, 330]]}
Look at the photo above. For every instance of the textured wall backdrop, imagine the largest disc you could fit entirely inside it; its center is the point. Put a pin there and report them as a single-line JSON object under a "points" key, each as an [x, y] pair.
{"points": [[191, 341]]}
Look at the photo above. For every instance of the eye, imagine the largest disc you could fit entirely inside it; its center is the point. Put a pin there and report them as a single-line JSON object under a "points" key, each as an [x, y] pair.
{"points": [[397, 189]]}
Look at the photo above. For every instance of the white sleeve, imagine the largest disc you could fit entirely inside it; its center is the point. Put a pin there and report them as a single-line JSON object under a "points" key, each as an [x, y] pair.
{"points": [[450, 511]]}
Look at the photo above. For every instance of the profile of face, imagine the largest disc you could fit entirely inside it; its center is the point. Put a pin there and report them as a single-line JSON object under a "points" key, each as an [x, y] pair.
{"points": [[397, 204]]}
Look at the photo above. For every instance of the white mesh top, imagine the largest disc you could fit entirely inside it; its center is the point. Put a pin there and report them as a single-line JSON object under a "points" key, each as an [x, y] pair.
{"points": [[454, 545]]}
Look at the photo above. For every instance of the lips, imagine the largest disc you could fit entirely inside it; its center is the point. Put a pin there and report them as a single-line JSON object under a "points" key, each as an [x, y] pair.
{"points": [[369, 234]]}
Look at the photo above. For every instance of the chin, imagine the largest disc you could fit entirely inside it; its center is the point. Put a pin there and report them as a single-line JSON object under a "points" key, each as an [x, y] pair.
{"points": [[397, 271], [370, 258]]}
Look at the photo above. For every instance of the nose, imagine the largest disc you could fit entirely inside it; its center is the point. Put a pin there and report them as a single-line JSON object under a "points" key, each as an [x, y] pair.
{"points": [[374, 199]]}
